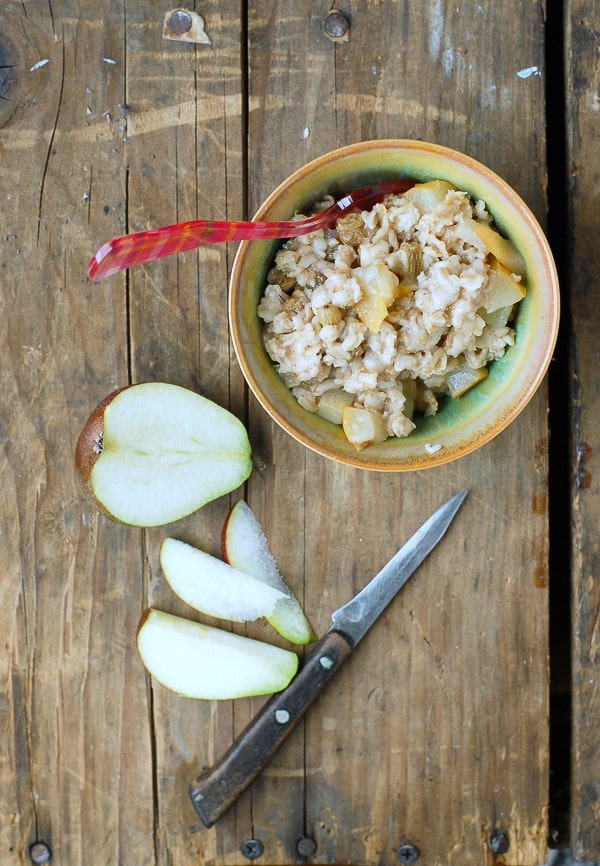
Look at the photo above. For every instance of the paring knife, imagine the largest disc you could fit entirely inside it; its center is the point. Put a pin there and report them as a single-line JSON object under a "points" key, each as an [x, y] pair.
{"points": [[216, 789]]}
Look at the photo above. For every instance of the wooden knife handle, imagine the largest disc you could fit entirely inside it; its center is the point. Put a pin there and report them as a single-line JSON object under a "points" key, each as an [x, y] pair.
{"points": [[215, 790]]}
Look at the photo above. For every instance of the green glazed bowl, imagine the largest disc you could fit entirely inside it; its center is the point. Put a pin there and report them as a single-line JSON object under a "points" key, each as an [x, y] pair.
{"points": [[461, 425]]}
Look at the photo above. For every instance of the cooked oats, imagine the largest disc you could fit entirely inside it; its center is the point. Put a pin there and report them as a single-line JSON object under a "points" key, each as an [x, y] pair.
{"points": [[397, 306]]}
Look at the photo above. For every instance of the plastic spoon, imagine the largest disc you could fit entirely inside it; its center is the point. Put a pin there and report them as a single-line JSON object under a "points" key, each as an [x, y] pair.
{"points": [[142, 247]]}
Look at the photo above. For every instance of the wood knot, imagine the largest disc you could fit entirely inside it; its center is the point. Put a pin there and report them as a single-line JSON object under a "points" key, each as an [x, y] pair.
{"points": [[8, 78]]}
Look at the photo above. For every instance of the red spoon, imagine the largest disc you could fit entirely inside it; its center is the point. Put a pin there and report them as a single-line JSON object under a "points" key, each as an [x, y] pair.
{"points": [[137, 249]]}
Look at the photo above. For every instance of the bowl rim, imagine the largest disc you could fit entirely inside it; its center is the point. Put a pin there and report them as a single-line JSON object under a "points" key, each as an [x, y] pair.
{"points": [[375, 457]]}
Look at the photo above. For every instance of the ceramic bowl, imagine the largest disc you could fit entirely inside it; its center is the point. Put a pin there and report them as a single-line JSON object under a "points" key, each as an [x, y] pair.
{"points": [[461, 425]]}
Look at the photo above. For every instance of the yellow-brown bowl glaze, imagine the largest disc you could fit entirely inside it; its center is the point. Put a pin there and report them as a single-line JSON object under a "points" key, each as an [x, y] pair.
{"points": [[461, 425]]}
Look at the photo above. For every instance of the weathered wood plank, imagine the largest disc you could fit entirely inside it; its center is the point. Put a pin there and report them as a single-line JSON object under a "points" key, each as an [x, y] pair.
{"points": [[185, 159], [583, 82], [411, 744], [282, 41], [436, 732], [74, 698]]}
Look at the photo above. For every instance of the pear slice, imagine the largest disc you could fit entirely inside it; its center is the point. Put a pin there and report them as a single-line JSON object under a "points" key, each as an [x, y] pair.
{"points": [[245, 547], [198, 661], [153, 453], [213, 587]]}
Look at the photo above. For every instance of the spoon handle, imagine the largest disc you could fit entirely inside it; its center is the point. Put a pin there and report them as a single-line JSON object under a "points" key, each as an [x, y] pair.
{"points": [[146, 246], [141, 247]]}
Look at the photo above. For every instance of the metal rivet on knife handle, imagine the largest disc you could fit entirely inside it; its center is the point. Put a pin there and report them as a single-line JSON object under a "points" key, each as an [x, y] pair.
{"points": [[252, 849], [408, 854]]}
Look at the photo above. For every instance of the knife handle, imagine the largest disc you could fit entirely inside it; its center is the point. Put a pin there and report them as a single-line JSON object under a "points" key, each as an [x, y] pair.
{"points": [[216, 789]]}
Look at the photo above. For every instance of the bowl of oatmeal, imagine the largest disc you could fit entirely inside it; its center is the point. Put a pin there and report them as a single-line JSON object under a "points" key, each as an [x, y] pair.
{"points": [[406, 335]]}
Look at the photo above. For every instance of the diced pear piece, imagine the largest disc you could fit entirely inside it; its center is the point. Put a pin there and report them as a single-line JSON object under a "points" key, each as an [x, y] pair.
{"points": [[409, 388], [498, 318], [427, 196], [199, 661], [380, 289], [462, 379], [465, 230], [363, 426], [331, 405], [501, 248], [503, 290], [406, 262]]}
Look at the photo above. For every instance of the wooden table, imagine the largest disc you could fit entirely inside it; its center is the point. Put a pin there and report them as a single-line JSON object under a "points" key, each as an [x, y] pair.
{"points": [[451, 729]]}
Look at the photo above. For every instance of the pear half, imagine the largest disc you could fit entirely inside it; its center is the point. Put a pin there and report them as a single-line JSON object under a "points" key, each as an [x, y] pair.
{"points": [[153, 453]]}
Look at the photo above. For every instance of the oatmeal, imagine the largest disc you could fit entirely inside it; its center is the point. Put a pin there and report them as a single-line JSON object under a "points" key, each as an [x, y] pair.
{"points": [[374, 321]]}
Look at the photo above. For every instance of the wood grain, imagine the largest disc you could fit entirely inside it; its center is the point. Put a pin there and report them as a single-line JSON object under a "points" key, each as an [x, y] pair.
{"points": [[185, 160], [448, 772], [436, 731], [73, 695], [582, 94]]}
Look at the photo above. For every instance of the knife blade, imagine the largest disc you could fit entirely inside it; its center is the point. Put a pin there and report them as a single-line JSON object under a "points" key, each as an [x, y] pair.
{"points": [[215, 790]]}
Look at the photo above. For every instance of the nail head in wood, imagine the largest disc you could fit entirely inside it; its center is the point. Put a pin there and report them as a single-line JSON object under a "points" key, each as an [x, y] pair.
{"points": [[252, 849], [40, 853], [336, 26], [408, 854], [180, 22], [183, 25], [306, 847], [499, 842]]}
